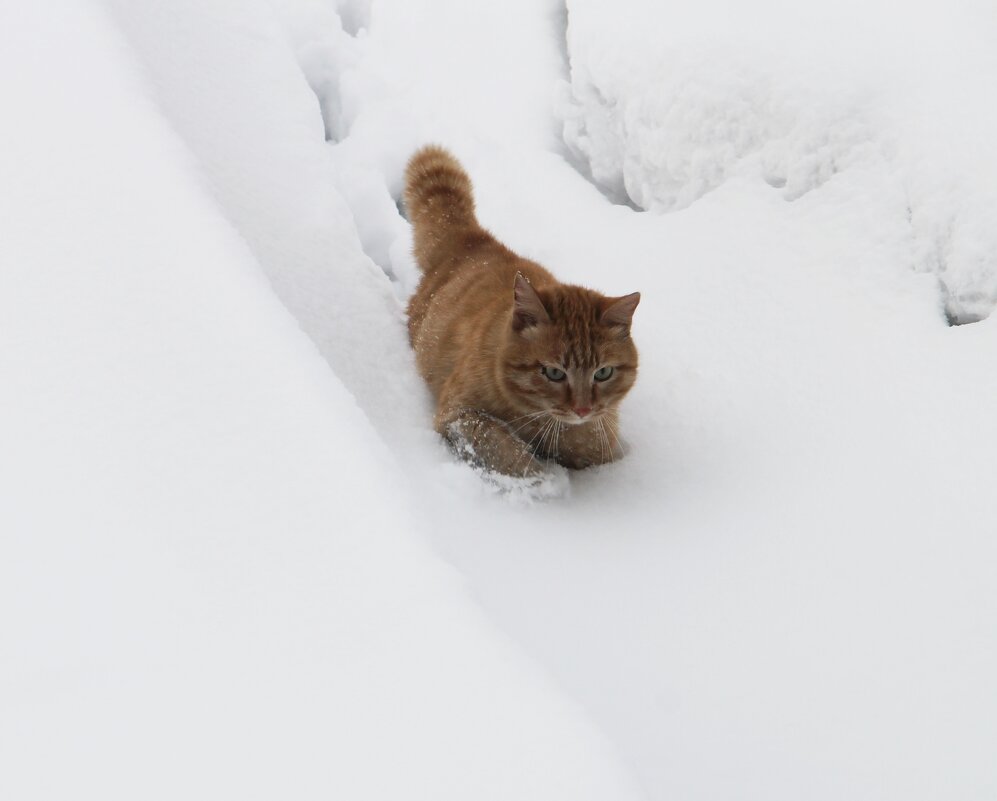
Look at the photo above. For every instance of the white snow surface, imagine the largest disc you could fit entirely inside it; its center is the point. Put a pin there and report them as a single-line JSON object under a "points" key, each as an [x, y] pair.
{"points": [[797, 95], [236, 562], [214, 577]]}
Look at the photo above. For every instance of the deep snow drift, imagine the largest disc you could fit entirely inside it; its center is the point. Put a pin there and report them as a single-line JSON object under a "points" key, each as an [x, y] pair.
{"points": [[218, 527], [795, 95], [213, 582]]}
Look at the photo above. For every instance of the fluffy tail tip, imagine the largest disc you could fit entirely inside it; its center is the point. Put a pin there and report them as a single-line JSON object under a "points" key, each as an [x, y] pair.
{"points": [[433, 172]]}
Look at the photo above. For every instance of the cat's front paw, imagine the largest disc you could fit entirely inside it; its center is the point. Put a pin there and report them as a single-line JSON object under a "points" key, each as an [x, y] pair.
{"points": [[485, 442], [573, 462], [589, 447]]}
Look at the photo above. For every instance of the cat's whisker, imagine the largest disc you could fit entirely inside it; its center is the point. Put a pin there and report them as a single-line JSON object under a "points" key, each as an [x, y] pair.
{"points": [[543, 445], [537, 434], [603, 440], [544, 436], [548, 432], [532, 418], [540, 450], [612, 428], [529, 450], [530, 415]]}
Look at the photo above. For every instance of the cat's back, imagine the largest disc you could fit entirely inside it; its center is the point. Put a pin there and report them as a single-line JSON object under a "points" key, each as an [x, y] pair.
{"points": [[465, 291], [460, 309], [462, 282]]}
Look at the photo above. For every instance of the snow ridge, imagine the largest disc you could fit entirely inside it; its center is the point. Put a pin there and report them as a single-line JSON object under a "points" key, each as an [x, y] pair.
{"points": [[708, 99]]}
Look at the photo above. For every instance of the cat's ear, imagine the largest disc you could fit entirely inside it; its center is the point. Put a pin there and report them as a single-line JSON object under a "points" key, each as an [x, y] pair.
{"points": [[527, 308], [620, 311]]}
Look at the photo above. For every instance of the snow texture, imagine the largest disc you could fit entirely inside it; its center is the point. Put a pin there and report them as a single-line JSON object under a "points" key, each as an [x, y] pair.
{"points": [[214, 581], [235, 561], [796, 96]]}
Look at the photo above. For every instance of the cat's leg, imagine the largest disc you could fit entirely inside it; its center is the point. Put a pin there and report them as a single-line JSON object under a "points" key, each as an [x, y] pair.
{"points": [[588, 444], [486, 441]]}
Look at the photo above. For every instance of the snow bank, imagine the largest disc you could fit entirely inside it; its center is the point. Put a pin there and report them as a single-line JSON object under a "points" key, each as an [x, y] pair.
{"points": [[796, 96], [211, 578], [255, 130]]}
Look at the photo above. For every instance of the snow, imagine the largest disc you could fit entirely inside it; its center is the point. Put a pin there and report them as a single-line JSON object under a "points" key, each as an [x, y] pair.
{"points": [[796, 95], [204, 592], [235, 559]]}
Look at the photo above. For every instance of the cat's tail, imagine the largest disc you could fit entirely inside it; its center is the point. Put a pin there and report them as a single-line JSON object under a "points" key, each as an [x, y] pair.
{"points": [[439, 201]]}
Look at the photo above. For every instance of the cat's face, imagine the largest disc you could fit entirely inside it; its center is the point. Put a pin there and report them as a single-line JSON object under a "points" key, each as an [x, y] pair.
{"points": [[569, 351]]}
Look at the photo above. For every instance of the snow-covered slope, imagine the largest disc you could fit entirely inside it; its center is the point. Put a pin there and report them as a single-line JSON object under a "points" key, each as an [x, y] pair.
{"points": [[219, 480], [212, 578]]}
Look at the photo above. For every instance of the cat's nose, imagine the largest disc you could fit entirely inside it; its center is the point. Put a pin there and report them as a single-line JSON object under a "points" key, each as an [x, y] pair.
{"points": [[582, 411]]}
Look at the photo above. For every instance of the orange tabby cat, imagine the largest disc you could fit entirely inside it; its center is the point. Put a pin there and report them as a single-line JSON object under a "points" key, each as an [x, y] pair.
{"points": [[522, 367]]}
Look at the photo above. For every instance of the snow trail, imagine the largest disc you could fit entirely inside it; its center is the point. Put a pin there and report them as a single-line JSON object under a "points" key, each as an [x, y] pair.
{"points": [[214, 580], [775, 584]]}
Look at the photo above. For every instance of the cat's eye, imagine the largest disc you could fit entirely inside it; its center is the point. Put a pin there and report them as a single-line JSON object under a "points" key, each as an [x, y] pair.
{"points": [[603, 374], [553, 373]]}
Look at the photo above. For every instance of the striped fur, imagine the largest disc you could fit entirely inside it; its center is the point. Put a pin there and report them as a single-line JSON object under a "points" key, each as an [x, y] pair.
{"points": [[490, 329], [438, 198]]}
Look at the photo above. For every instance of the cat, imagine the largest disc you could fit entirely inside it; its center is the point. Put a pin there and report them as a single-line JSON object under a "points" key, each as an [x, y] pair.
{"points": [[523, 368]]}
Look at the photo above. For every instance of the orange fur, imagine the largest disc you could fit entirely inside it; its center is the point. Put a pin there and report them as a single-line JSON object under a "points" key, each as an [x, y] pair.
{"points": [[512, 356]]}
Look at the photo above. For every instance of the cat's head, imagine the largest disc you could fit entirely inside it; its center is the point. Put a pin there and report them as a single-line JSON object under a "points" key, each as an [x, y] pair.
{"points": [[568, 351]]}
